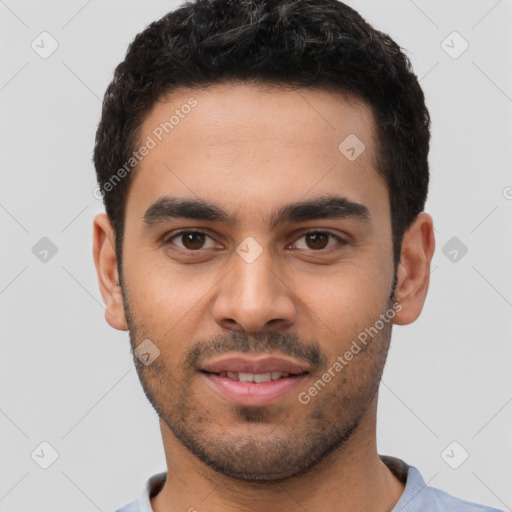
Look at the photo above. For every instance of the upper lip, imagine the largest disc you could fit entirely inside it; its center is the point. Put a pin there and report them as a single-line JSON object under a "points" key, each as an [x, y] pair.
{"points": [[265, 364]]}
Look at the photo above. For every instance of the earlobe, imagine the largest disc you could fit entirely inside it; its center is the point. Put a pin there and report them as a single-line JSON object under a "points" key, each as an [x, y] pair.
{"points": [[114, 310], [105, 261], [413, 272]]}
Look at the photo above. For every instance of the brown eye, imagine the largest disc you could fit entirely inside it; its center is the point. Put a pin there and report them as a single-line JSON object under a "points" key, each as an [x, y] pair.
{"points": [[193, 240], [190, 240], [318, 240]]}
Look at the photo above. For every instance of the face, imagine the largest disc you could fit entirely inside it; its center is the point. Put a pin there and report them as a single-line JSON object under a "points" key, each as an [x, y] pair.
{"points": [[255, 243]]}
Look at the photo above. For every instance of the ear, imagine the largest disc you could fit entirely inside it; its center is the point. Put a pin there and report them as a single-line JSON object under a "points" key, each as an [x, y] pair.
{"points": [[413, 273], [106, 267]]}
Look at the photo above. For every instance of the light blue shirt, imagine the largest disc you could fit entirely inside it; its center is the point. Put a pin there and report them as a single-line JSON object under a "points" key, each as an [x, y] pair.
{"points": [[417, 496]]}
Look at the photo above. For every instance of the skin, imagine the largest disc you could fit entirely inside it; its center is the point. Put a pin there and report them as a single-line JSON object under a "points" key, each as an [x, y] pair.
{"points": [[251, 149]]}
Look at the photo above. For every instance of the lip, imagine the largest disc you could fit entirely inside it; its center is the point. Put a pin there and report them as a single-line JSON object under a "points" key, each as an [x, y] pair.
{"points": [[251, 393], [263, 364]]}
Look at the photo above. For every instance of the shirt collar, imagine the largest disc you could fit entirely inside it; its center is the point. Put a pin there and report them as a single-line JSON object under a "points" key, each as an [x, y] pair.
{"points": [[408, 475]]}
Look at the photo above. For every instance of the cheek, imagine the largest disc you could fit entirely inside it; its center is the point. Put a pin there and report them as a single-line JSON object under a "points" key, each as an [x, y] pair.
{"points": [[344, 302], [171, 309], [164, 291], [361, 279]]}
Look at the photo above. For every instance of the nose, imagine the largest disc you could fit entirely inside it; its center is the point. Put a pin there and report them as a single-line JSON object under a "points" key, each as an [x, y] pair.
{"points": [[254, 296]]}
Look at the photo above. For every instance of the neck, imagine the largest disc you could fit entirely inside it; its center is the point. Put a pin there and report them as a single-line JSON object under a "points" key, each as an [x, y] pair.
{"points": [[351, 478]]}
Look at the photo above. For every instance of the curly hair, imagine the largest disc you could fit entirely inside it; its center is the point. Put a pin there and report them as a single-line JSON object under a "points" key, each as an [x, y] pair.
{"points": [[321, 44]]}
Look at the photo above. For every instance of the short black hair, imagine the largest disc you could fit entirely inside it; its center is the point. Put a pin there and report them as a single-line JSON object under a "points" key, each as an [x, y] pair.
{"points": [[322, 44]]}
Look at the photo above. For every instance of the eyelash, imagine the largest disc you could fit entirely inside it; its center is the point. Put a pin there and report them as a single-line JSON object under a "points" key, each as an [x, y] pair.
{"points": [[169, 239]]}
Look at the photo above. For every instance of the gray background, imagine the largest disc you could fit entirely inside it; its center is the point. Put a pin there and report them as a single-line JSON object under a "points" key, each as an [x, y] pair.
{"points": [[67, 377]]}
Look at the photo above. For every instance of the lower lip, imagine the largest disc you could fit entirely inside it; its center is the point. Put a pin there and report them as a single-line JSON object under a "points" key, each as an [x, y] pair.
{"points": [[251, 393]]}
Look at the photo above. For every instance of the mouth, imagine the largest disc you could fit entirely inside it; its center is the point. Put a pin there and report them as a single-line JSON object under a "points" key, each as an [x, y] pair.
{"points": [[256, 378], [254, 381], [261, 367]]}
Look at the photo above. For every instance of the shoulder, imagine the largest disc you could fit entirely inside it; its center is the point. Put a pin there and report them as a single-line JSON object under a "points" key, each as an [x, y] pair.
{"points": [[418, 496], [442, 501], [131, 507], [151, 488]]}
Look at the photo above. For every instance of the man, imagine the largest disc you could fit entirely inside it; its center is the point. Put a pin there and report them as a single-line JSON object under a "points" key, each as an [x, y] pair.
{"points": [[264, 170]]}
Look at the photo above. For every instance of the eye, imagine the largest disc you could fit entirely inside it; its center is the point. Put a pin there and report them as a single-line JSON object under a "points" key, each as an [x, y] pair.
{"points": [[194, 241], [191, 240], [318, 240]]}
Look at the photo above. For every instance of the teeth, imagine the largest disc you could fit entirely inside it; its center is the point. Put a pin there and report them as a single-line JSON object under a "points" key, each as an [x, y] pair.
{"points": [[245, 377], [262, 377], [254, 377]]}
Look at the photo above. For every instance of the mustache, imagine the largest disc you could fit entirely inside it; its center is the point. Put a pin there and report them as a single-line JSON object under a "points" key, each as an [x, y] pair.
{"points": [[260, 343]]}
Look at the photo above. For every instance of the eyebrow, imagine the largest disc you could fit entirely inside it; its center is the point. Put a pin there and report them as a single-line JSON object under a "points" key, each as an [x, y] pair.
{"points": [[327, 207]]}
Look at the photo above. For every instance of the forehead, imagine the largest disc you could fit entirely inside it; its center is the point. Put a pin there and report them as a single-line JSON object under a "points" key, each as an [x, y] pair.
{"points": [[254, 114], [256, 145]]}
